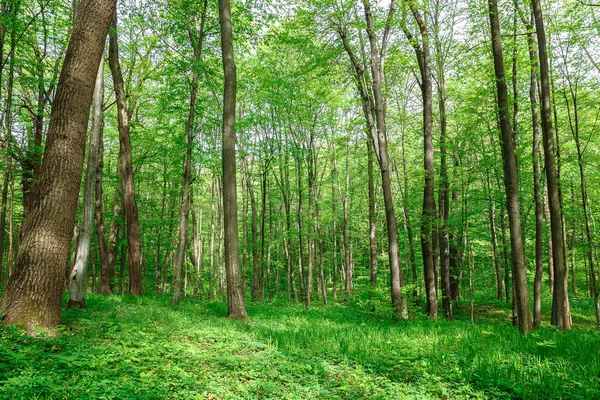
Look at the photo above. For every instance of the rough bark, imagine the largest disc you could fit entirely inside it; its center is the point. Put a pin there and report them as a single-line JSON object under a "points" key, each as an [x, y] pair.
{"points": [[32, 297], [510, 178], [129, 202], [235, 293]]}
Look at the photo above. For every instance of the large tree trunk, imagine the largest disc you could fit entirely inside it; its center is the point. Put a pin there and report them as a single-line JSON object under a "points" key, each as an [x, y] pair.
{"points": [[129, 202], [78, 277], [235, 293], [32, 296], [380, 142], [510, 178], [561, 314]]}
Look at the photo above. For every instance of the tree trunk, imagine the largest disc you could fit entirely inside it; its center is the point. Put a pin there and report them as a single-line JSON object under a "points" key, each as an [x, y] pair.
{"points": [[537, 191], [574, 125], [235, 293], [129, 202], [380, 143], [256, 294], [561, 314], [78, 276], [32, 296], [428, 215], [372, 221], [6, 147], [187, 164], [510, 178]]}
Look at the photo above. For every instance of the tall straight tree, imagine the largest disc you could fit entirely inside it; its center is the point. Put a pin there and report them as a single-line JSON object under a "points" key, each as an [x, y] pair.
{"points": [[32, 296], [129, 203], [428, 213], [196, 42], [78, 277], [380, 144], [511, 183], [235, 292], [561, 313]]}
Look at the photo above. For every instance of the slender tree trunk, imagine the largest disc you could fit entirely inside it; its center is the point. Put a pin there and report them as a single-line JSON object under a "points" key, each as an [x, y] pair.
{"points": [[345, 201], [574, 125], [256, 295], [537, 191], [32, 297], [561, 314], [129, 202], [103, 249], [78, 276], [510, 178], [7, 146], [428, 215], [372, 221], [235, 293], [380, 142], [444, 195], [196, 44]]}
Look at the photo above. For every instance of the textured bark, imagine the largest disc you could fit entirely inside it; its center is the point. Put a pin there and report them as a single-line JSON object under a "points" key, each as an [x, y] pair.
{"points": [[78, 277], [32, 296], [380, 142], [235, 293], [561, 314], [129, 202], [510, 178]]}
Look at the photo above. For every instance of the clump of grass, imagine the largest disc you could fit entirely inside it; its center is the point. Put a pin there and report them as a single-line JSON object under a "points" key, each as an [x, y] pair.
{"points": [[129, 348]]}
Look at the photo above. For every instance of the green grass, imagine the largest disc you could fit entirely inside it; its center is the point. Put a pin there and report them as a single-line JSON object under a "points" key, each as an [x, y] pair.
{"points": [[124, 347]]}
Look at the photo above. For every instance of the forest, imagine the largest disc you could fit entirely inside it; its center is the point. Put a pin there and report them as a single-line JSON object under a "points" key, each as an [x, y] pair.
{"points": [[299, 199]]}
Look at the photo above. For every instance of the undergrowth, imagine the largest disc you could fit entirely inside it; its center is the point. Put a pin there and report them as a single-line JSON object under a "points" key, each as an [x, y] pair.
{"points": [[125, 347]]}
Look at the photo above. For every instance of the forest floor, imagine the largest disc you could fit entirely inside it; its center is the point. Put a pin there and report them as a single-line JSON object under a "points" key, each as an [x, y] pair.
{"points": [[125, 347]]}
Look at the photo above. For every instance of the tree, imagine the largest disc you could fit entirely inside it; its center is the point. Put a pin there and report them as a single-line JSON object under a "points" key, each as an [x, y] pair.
{"points": [[129, 202], [380, 144], [510, 177], [32, 297], [561, 313], [428, 212], [196, 42], [235, 292], [78, 277]]}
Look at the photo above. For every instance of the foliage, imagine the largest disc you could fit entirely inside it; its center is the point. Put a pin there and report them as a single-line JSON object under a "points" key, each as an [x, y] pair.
{"points": [[127, 347]]}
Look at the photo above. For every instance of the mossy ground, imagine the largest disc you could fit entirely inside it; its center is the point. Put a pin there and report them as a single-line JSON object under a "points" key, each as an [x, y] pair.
{"points": [[124, 347]]}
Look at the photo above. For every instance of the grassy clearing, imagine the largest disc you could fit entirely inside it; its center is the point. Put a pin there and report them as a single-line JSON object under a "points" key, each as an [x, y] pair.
{"points": [[125, 347]]}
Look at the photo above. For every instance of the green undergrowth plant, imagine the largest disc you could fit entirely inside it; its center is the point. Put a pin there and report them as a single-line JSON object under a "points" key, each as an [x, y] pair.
{"points": [[126, 347]]}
